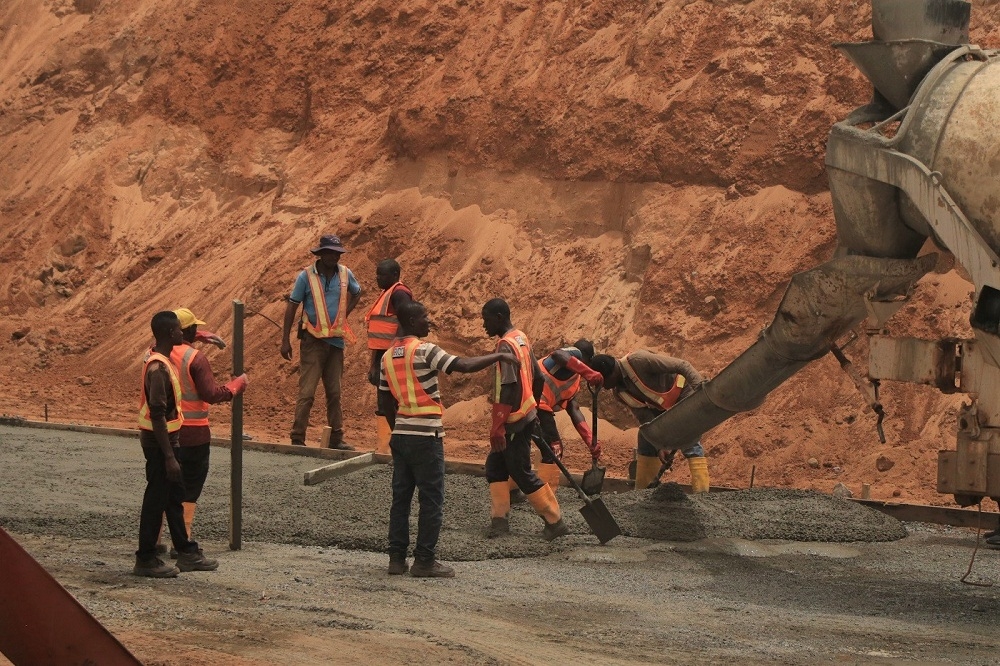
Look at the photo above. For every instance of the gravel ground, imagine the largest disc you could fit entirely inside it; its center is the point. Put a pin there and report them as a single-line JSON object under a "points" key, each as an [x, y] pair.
{"points": [[702, 580]]}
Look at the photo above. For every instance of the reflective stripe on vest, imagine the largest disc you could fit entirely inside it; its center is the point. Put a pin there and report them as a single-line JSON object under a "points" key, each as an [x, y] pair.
{"points": [[518, 341], [412, 399], [324, 327], [654, 399], [145, 422], [382, 325], [195, 409], [556, 392]]}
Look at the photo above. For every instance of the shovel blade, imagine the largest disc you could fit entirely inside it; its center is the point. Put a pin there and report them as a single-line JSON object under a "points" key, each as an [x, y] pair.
{"points": [[593, 480], [600, 520]]}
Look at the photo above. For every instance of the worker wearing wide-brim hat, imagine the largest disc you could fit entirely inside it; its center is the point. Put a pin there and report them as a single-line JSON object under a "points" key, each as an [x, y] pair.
{"points": [[328, 292]]}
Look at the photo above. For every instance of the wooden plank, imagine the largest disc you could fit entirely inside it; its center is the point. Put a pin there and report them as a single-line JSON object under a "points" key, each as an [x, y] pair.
{"points": [[970, 467], [321, 474], [946, 472], [940, 515]]}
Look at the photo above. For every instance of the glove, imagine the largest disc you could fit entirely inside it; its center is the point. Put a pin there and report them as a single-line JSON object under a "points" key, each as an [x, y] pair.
{"points": [[498, 430], [595, 451], [237, 385], [593, 377], [210, 338], [557, 448], [588, 438]]}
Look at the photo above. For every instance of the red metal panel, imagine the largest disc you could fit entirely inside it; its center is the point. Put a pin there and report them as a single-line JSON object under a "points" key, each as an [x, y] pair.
{"points": [[42, 623]]}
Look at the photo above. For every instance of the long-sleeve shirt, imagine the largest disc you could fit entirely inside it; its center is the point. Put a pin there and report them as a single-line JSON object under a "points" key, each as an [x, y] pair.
{"points": [[160, 399], [209, 391], [658, 372]]}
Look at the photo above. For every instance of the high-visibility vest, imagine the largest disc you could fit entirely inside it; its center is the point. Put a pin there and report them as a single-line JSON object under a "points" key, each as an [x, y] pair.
{"points": [[412, 399], [653, 398], [382, 325], [556, 392], [519, 341], [195, 409], [324, 326], [146, 423]]}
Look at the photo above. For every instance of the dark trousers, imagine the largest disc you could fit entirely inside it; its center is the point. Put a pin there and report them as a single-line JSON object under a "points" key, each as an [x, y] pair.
{"points": [[418, 463], [194, 469], [161, 497], [515, 462], [550, 433]]}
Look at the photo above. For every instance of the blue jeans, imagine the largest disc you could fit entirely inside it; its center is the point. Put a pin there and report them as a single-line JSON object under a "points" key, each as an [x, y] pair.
{"points": [[418, 463]]}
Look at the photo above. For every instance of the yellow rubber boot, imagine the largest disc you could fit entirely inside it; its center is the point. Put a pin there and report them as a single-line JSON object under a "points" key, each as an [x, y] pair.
{"points": [[383, 433], [545, 504], [189, 508], [646, 468], [549, 474], [699, 474], [499, 499]]}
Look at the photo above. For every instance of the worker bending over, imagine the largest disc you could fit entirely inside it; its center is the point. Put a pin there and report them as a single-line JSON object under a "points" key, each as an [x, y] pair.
{"points": [[411, 401], [650, 384], [556, 387], [514, 418]]}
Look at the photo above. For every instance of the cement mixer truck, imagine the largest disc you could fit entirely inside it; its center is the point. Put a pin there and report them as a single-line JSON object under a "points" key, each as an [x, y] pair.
{"points": [[921, 160]]}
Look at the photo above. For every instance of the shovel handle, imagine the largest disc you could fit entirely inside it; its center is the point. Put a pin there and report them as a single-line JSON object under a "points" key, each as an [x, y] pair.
{"points": [[594, 390], [542, 444]]}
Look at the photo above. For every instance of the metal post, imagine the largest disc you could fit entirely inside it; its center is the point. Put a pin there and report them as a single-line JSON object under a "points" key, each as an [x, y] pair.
{"points": [[236, 444]]}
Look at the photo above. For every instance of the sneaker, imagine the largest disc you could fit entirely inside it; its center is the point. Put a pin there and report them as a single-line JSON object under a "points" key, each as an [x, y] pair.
{"points": [[432, 569], [555, 530], [154, 568], [517, 497], [498, 527], [397, 565], [196, 561]]}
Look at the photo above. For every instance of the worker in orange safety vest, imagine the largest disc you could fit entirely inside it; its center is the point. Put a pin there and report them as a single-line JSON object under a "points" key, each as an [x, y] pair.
{"points": [[650, 384], [382, 325], [556, 386], [514, 417], [328, 292], [160, 422]]}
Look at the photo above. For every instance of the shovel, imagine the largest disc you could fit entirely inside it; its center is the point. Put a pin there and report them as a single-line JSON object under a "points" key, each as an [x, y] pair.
{"points": [[593, 478], [663, 468], [601, 522]]}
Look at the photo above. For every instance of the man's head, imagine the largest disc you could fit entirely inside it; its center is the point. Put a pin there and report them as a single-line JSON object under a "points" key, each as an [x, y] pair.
{"points": [[387, 273], [413, 319], [496, 317], [586, 348], [329, 250], [608, 367], [189, 323], [166, 328]]}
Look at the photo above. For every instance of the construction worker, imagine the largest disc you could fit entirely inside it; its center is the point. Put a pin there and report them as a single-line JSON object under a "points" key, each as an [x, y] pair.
{"points": [[160, 421], [555, 390], [382, 325], [513, 420], [198, 391], [410, 399], [321, 335], [650, 384]]}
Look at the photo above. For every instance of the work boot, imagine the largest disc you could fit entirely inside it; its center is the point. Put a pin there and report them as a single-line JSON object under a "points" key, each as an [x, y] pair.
{"points": [[298, 442], [432, 569], [498, 527], [154, 568], [342, 447], [555, 530], [196, 561], [397, 564]]}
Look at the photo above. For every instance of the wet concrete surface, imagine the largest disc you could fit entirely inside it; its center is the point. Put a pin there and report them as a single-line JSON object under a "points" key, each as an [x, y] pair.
{"points": [[96, 484]]}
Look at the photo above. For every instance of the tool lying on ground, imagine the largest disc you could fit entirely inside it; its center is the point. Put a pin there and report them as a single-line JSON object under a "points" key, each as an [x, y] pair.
{"points": [[667, 464], [600, 520], [593, 478]]}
